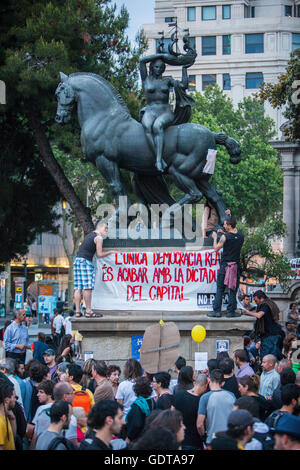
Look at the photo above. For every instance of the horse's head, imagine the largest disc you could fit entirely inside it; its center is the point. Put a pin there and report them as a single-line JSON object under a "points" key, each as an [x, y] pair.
{"points": [[66, 98]]}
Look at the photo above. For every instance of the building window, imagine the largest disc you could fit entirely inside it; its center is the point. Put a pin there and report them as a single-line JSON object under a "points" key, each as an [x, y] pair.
{"points": [[254, 79], [297, 11], [288, 10], [226, 12], [169, 19], [209, 13], [191, 14], [226, 44], [226, 81], [254, 43], [295, 41], [249, 12], [192, 41], [209, 45], [38, 239], [192, 82], [166, 42], [208, 80]]}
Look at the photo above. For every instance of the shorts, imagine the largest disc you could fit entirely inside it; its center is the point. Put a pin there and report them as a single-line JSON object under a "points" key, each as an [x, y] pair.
{"points": [[84, 274]]}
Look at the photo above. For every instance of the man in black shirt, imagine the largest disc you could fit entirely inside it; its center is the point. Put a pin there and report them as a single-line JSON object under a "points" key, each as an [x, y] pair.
{"points": [[106, 418], [266, 326], [229, 273], [84, 270]]}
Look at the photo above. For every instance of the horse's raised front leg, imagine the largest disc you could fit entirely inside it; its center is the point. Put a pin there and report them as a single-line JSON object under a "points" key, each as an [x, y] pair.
{"points": [[214, 197], [111, 173]]}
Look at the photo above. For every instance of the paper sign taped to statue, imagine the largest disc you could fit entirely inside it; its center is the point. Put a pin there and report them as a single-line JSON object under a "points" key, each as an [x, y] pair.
{"points": [[174, 280], [201, 359]]}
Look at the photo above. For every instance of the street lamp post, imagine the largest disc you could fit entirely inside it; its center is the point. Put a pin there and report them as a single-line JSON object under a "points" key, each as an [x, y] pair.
{"points": [[25, 277]]}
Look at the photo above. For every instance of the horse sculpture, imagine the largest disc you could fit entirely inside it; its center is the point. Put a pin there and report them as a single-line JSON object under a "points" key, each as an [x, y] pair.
{"points": [[111, 139]]}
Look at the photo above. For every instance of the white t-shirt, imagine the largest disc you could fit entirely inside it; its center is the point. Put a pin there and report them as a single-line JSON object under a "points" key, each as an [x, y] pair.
{"points": [[57, 323], [42, 422], [126, 393], [68, 326]]}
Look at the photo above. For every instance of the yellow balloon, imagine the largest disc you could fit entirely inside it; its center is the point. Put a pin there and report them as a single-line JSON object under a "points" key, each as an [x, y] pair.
{"points": [[198, 333]]}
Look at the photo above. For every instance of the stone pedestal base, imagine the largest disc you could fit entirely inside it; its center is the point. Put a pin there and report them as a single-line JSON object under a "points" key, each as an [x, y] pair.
{"points": [[109, 337]]}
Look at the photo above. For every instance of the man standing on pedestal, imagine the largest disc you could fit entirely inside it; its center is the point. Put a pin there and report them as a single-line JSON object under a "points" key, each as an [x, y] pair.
{"points": [[229, 273], [84, 269]]}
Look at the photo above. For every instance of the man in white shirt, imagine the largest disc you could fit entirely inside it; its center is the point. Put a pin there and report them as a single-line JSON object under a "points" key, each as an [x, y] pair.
{"points": [[58, 323]]}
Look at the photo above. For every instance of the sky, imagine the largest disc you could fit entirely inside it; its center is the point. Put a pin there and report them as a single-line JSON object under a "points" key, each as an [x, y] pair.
{"points": [[140, 12]]}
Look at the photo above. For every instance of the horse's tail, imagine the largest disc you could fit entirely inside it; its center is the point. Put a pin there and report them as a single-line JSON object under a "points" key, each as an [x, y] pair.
{"points": [[232, 146]]}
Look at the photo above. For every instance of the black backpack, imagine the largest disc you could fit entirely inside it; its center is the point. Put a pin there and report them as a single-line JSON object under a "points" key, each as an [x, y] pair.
{"points": [[61, 440], [274, 418]]}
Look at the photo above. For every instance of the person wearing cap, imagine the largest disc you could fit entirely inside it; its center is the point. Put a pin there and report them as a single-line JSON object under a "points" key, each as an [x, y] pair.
{"points": [[287, 433], [49, 358], [240, 427]]}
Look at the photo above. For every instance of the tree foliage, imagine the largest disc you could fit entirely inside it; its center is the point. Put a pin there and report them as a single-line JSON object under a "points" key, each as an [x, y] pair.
{"points": [[37, 41], [252, 189], [286, 92], [27, 192]]}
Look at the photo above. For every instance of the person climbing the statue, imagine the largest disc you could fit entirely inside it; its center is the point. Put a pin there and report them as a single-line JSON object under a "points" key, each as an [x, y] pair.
{"points": [[229, 273], [84, 269]]}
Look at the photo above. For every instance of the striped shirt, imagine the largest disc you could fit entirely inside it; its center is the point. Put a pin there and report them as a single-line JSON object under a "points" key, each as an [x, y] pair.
{"points": [[268, 382]]}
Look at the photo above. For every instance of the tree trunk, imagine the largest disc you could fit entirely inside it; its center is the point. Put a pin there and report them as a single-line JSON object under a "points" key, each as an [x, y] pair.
{"points": [[82, 213], [7, 288]]}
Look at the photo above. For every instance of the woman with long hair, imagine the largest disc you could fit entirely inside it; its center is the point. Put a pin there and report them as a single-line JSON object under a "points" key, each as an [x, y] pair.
{"points": [[65, 351], [87, 380], [186, 378], [125, 394], [288, 344]]}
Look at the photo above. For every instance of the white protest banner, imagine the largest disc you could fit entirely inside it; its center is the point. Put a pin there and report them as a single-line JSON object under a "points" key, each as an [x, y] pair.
{"points": [[175, 280]]}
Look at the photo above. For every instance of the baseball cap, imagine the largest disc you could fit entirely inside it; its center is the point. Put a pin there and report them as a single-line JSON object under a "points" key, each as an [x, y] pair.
{"points": [[288, 424], [49, 352], [240, 419]]}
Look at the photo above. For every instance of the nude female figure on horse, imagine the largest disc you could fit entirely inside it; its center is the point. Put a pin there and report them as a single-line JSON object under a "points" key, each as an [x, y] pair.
{"points": [[157, 115]]}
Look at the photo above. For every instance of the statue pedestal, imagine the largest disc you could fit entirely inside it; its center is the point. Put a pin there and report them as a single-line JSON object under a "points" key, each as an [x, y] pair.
{"points": [[110, 337]]}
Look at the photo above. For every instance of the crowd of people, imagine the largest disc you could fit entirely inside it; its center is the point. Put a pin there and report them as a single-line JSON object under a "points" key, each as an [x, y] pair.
{"points": [[57, 401]]}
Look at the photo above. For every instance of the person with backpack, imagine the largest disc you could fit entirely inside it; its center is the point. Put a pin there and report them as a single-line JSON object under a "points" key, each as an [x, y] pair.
{"points": [[262, 438], [60, 416], [290, 397], [83, 397]]}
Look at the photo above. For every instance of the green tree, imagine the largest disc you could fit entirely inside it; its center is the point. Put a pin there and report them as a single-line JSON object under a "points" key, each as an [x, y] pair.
{"points": [[40, 39], [258, 257], [253, 188], [27, 193], [286, 93]]}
